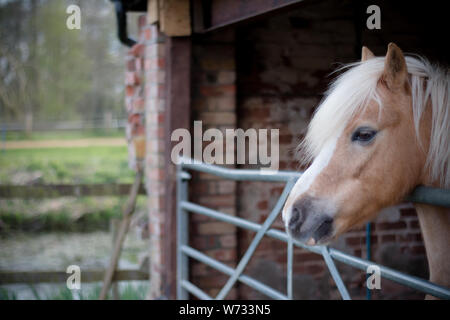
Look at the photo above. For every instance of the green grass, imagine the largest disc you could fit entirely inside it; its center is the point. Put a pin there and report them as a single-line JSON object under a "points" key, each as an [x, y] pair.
{"points": [[65, 165], [64, 135]]}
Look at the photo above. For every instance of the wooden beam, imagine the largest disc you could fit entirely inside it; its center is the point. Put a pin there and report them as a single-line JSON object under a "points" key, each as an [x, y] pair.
{"points": [[218, 14], [178, 115], [175, 17], [66, 190], [10, 277], [152, 11]]}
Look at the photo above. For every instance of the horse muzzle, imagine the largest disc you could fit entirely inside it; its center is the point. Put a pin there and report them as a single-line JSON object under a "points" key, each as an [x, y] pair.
{"points": [[309, 221]]}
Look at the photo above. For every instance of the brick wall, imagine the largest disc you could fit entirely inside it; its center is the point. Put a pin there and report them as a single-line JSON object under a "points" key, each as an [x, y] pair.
{"points": [[135, 102], [283, 67], [155, 173], [213, 103], [145, 103]]}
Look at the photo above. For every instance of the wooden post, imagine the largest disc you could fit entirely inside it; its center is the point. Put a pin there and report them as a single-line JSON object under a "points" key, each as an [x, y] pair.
{"points": [[114, 227], [129, 209], [178, 80]]}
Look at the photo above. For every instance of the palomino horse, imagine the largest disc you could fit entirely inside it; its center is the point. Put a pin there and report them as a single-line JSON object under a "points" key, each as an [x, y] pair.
{"points": [[382, 129]]}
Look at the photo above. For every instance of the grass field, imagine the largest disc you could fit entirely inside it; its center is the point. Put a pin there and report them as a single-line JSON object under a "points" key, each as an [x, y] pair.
{"points": [[81, 165], [41, 234], [65, 165], [63, 134]]}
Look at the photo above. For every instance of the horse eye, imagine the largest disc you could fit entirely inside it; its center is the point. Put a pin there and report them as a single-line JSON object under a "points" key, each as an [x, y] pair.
{"points": [[363, 135]]}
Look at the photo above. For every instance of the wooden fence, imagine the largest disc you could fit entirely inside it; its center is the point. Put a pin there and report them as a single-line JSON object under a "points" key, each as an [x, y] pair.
{"points": [[68, 190]]}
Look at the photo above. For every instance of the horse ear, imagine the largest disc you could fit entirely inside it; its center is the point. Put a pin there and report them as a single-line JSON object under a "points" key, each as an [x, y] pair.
{"points": [[366, 54], [395, 70]]}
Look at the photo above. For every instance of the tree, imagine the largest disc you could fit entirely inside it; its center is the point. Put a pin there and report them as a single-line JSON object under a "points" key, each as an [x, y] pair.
{"points": [[51, 72]]}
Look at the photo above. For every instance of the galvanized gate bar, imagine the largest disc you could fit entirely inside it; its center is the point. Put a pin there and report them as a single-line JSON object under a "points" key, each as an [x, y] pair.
{"points": [[421, 194], [394, 275], [435, 196], [407, 280], [182, 234], [290, 263], [335, 274], [239, 174], [251, 282], [195, 290], [251, 249]]}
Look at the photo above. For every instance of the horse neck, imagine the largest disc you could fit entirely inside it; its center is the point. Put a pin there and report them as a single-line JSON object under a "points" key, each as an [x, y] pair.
{"points": [[435, 225]]}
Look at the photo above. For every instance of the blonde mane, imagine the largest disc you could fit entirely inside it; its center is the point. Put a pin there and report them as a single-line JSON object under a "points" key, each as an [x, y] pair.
{"points": [[351, 92]]}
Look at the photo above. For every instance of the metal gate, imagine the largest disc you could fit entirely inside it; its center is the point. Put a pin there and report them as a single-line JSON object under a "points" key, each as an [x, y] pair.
{"points": [[184, 251]]}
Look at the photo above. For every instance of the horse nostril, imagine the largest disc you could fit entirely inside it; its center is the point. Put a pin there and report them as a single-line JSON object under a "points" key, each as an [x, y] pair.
{"points": [[324, 228], [296, 218]]}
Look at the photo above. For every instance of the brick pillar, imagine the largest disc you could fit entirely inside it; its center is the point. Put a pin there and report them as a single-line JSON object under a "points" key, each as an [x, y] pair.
{"points": [[145, 103], [155, 109], [134, 103]]}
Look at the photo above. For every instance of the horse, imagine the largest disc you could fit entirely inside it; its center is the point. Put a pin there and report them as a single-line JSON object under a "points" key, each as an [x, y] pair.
{"points": [[382, 128]]}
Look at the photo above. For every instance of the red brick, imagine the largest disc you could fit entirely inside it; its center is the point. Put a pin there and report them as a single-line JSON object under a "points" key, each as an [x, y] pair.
{"points": [[142, 21], [151, 33], [223, 254], [408, 212], [156, 174], [226, 77], [418, 249], [156, 146], [210, 228], [161, 118], [410, 237], [130, 63], [156, 201], [313, 269], [132, 79], [285, 138], [222, 200], [138, 64], [228, 241], [137, 50], [212, 280], [355, 241], [263, 205], [388, 238], [218, 90], [155, 63], [138, 105], [135, 118], [155, 76], [414, 224], [258, 114], [129, 91], [218, 118], [225, 187], [138, 129], [206, 242], [307, 256], [155, 90], [391, 225]]}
